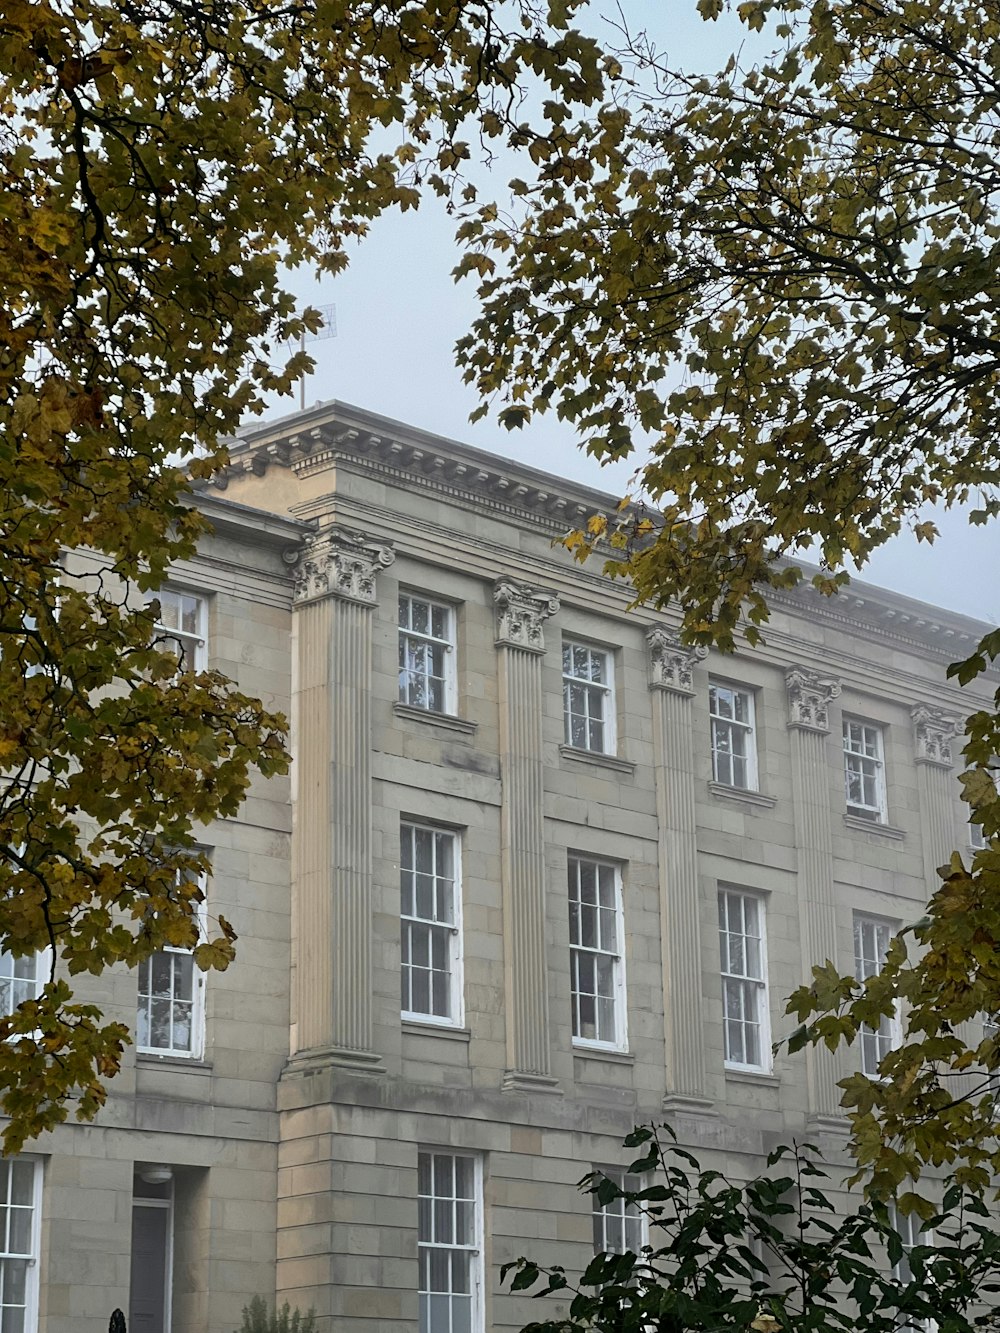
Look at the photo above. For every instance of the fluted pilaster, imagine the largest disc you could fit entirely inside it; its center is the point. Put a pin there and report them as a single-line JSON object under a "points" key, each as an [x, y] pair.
{"points": [[312, 961], [809, 697], [933, 733], [332, 988], [520, 614], [671, 667]]}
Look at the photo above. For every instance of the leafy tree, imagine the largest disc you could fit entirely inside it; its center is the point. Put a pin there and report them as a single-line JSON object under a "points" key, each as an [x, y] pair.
{"points": [[785, 281], [772, 1254], [159, 161]]}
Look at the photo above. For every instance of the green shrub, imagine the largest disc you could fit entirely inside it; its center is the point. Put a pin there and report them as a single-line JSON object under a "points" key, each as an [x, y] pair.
{"points": [[257, 1320]]}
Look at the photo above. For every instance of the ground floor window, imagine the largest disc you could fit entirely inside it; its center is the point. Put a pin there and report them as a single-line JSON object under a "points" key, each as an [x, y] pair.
{"points": [[449, 1189], [20, 1196]]}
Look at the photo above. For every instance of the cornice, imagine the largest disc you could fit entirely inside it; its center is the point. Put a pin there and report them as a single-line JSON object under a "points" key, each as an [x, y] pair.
{"points": [[529, 506], [413, 457], [260, 526], [876, 611], [333, 433]]}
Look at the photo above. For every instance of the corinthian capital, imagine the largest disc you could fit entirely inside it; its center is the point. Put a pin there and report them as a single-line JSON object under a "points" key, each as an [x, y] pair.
{"points": [[337, 563], [671, 662], [933, 730], [521, 611], [809, 696]]}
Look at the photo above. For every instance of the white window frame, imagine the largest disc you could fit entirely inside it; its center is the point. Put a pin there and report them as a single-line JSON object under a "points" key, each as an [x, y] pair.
{"points": [[868, 963], [741, 981], [617, 1213], [595, 692], [194, 640], [408, 637], [198, 979], [30, 1257], [42, 961], [991, 1029], [437, 923], [604, 871], [869, 766], [724, 755], [912, 1234], [474, 1248]]}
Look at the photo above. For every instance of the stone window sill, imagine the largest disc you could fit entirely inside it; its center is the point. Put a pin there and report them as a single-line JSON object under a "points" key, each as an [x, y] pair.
{"points": [[611, 761], [755, 1076], [859, 825], [412, 1027], [743, 794], [175, 1063], [445, 721], [598, 1053]]}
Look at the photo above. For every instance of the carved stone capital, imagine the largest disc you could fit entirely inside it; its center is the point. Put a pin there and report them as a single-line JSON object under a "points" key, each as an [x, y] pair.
{"points": [[671, 662], [809, 696], [521, 611], [933, 730], [338, 563]]}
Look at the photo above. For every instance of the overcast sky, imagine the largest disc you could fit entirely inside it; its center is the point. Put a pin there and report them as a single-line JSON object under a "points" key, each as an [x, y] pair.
{"points": [[399, 314]]}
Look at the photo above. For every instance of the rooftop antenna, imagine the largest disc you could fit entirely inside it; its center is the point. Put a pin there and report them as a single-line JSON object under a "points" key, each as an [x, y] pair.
{"points": [[328, 329]]}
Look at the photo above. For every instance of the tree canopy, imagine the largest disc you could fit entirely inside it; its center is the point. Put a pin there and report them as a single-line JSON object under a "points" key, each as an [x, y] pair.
{"points": [[160, 161], [780, 287]]}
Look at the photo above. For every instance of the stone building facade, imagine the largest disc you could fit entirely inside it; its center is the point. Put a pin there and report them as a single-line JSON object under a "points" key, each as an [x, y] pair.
{"points": [[542, 872], [165, 1206]]}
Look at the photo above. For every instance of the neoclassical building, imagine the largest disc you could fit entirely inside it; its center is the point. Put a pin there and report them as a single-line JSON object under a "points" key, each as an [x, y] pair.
{"points": [[541, 872]]}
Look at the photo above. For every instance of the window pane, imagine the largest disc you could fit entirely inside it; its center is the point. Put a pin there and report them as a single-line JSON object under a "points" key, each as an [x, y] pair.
{"points": [[595, 735], [419, 616], [574, 921], [182, 1027], [461, 1314], [183, 976], [439, 1271], [445, 846], [22, 1182], [588, 926], [461, 1273], [441, 995], [425, 897], [420, 982], [424, 845], [20, 1231], [161, 974]]}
